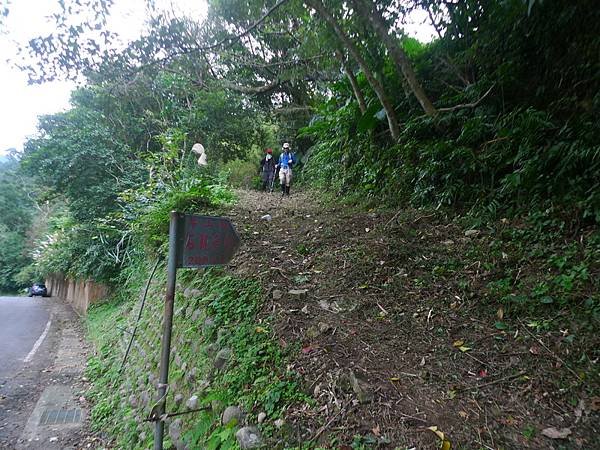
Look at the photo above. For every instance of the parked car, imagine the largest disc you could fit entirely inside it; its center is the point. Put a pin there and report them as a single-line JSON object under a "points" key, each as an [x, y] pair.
{"points": [[38, 289]]}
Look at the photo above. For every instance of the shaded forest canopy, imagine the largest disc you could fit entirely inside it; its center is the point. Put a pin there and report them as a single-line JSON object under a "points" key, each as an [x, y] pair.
{"points": [[473, 163], [497, 115]]}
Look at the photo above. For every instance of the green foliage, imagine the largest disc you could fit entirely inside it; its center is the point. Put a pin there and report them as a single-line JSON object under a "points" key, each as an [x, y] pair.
{"points": [[12, 258], [523, 140], [79, 157], [524, 133], [529, 432], [88, 250], [103, 367], [15, 203], [255, 377], [563, 279], [192, 195], [465, 158], [15, 218], [242, 174], [120, 160], [529, 144]]}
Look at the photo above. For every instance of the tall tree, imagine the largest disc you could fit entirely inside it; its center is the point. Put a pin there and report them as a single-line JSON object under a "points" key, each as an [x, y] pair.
{"points": [[370, 14], [377, 86], [360, 98]]}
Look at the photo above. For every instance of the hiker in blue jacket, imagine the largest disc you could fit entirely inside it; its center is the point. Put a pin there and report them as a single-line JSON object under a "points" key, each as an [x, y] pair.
{"points": [[286, 161]]}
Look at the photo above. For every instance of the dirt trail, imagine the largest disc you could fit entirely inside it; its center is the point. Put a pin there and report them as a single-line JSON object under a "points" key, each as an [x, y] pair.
{"points": [[396, 332]]}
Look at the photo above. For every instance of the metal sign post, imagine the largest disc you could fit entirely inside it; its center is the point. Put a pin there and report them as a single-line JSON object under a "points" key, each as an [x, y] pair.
{"points": [[166, 337], [194, 242]]}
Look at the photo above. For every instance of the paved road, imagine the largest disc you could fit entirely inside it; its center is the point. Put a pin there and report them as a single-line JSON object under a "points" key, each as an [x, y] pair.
{"points": [[22, 322], [42, 357]]}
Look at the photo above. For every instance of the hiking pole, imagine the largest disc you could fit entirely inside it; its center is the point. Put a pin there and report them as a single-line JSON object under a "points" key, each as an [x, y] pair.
{"points": [[271, 184]]}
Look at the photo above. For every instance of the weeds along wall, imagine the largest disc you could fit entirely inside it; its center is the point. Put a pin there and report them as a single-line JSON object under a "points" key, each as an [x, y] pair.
{"points": [[222, 354]]}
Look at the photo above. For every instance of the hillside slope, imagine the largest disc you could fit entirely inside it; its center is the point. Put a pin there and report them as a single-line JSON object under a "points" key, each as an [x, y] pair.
{"points": [[362, 329]]}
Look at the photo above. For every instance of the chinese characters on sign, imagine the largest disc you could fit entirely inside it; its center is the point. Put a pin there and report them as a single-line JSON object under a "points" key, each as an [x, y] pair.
{"points": [[207, 241]]}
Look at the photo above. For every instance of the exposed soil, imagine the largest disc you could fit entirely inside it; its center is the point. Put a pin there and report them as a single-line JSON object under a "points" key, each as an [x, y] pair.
{"points": [[398, 301]]}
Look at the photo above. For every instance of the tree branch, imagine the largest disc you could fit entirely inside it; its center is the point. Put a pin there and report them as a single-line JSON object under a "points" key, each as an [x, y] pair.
{"points": [[251, 89], [292, 109], [256, 24], [468, 105]]}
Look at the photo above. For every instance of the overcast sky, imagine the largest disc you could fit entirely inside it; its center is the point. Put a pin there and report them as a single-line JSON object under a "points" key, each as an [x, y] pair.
{"points": [[22, 103]]}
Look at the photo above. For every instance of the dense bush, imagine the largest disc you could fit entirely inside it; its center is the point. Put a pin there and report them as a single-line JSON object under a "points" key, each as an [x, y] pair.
{"points": [[16, 213], [532, 140]]}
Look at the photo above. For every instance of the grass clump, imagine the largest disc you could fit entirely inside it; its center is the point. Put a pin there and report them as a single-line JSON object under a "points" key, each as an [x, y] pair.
{"points": [[219, 313]]}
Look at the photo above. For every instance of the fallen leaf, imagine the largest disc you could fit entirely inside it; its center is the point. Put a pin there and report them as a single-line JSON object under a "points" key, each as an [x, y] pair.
{"points": [[500, 313], [445, 442], [483, 373], [463, 414], [595, 404], [534, 350], [510, 421], [309, 349], [260, 330], [553, 433], [437, 432], [451, 394], [501, 325], [463, 349], [579, 410], [395, 379], [376, 431], [458, 343]]}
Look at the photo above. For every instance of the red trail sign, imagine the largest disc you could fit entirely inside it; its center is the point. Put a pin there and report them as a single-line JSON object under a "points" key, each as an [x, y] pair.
{"points": [[205, 241]]}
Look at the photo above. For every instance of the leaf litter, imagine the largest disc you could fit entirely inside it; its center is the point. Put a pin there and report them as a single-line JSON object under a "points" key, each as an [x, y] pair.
{"points": [[492, 383]]}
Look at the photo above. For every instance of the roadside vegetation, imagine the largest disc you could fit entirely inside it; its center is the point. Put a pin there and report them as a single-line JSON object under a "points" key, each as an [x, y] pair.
{"points": [[223, 355], [475, 154]]}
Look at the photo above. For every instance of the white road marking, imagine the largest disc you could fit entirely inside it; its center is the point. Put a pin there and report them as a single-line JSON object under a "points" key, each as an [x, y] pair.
{"points": [[37, 344]]}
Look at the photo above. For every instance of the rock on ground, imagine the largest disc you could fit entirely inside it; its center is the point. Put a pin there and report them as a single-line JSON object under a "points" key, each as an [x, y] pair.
{"points": [[232, 413], [192, 402], [248, 437]]}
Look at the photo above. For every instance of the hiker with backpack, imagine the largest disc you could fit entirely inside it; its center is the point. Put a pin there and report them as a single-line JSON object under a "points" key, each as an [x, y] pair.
{"points": [[286, 161], [267, 170]]}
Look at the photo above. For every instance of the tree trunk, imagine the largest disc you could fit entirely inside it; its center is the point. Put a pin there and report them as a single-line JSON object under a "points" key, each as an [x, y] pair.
{"points": [[375, 84], [355, 87], [369, 13]]}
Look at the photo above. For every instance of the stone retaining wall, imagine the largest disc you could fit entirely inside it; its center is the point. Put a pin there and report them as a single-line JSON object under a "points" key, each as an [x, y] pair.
{"points": [[80, 293]]}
